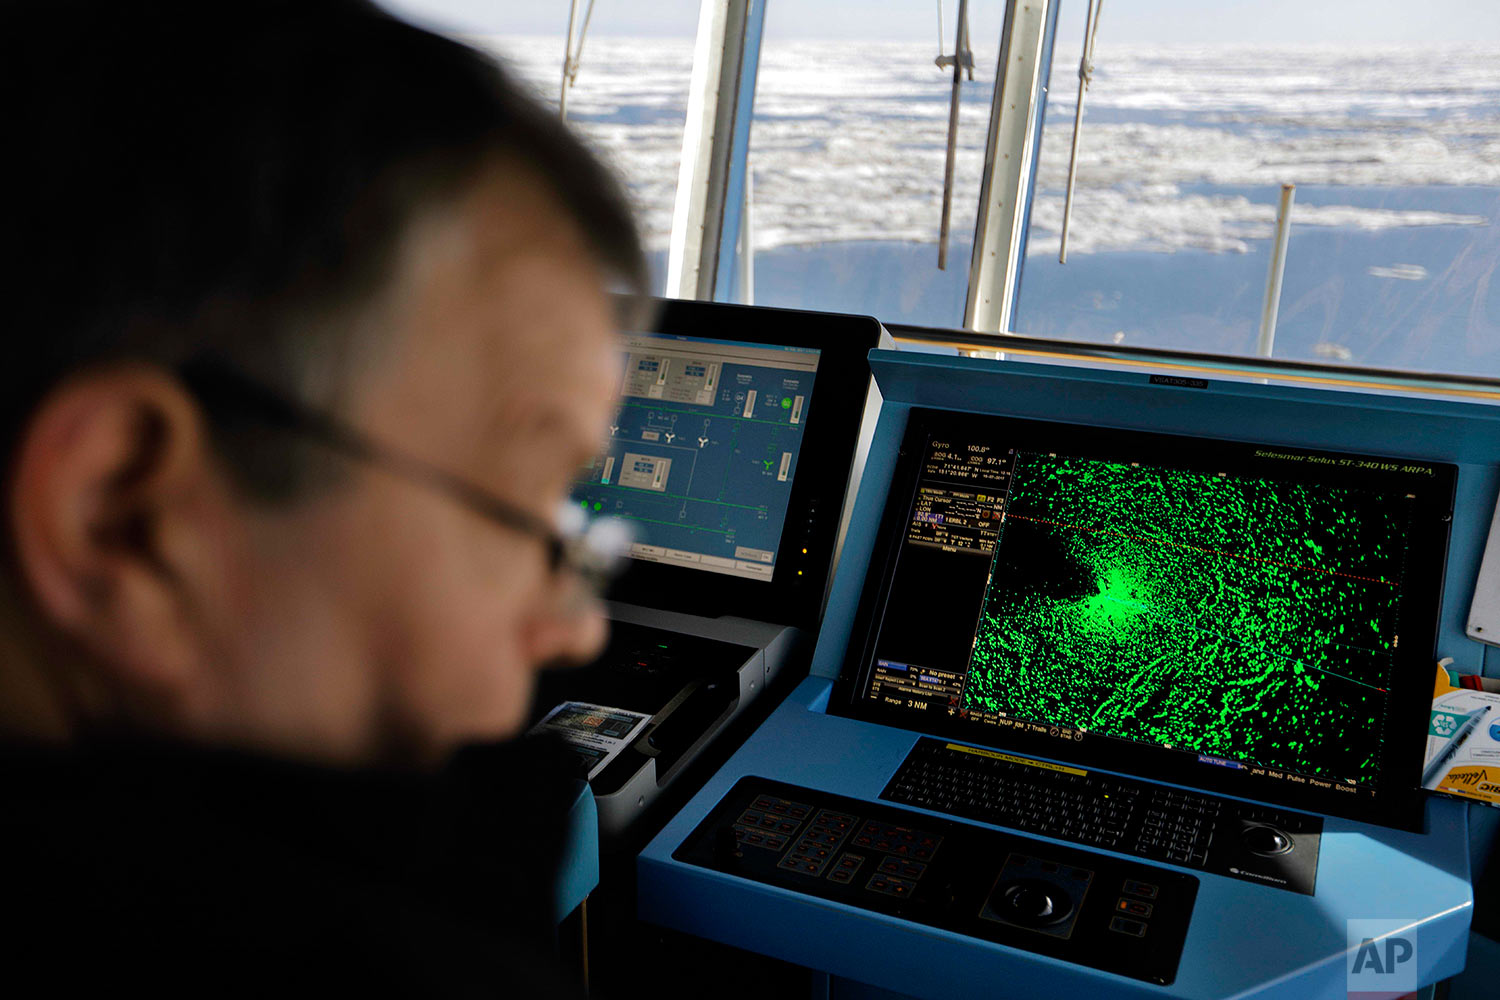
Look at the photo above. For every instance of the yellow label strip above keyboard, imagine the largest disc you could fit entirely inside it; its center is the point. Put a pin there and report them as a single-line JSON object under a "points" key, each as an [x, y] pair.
{"points": [[1017, 760]]}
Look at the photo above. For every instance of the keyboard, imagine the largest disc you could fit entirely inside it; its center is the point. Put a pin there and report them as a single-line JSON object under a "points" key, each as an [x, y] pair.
{"points": [[1115, 813], [997, 788]]}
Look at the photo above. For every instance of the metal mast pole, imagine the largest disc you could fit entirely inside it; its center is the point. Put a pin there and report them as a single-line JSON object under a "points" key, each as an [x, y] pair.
{"points": [[1273, 277], [1085, 76], [959, 50], [567, 65]]}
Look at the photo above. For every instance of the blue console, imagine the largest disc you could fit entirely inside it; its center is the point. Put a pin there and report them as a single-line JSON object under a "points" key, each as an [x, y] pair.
{"points": [[578, 870], [996, 913]]}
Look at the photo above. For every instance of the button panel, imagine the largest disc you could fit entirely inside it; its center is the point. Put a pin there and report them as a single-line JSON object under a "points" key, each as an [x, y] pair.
{"points": [[803, 865], [769, 821], [782, 807], [1098, 910], [898, 840], [903, 867], [891, 885], [846, 868], [753, 837]]}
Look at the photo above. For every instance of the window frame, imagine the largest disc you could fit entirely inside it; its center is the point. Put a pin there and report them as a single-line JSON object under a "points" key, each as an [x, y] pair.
{"points": [[707, 256], [709, 219], [709, 210]]}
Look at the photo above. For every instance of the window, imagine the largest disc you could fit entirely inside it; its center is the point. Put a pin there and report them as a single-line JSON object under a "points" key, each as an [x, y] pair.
{"points": [[628, 97], [1387, 124], [847, 157]]}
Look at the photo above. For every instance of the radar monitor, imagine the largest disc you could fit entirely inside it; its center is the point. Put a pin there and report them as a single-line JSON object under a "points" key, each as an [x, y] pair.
{"points": [[703, 450], [1254, 618]]}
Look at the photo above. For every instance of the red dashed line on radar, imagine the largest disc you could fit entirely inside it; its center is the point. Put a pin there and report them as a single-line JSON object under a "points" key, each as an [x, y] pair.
{"points": [[1196, 548]]}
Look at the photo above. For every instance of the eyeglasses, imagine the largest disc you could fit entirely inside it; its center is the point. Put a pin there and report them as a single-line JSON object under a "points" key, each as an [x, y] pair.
{"points": [[593, 549]]}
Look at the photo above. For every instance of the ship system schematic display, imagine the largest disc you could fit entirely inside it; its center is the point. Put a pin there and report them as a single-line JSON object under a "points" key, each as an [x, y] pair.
{"points": [[1244, 618], [703, 451], [1234, 605]]}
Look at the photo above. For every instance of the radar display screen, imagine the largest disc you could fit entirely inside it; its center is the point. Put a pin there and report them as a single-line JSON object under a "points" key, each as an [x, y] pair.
{"points": [[1178, 607], [703, 450]]}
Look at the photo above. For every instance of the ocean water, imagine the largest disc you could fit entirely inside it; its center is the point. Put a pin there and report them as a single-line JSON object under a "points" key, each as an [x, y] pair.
{"points": [[1395, 152]]}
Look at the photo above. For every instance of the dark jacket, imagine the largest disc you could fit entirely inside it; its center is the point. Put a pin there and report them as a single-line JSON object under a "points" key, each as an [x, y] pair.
{"points": [[189, 871]]}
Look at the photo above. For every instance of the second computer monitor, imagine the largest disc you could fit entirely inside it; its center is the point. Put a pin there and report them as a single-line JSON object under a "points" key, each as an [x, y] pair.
{"points": [[729, 453], [704, 449]]}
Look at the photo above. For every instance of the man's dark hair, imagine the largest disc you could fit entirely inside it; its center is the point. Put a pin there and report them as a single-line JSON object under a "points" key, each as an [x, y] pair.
{"points": [[232, 179]]}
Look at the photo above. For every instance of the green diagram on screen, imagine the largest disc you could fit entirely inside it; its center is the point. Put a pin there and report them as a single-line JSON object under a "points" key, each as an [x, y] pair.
{"points": [[1247, 619]]}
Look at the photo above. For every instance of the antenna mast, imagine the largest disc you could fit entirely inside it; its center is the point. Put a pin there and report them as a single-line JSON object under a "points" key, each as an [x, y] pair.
{"points": [[1085, 77], [962, 59]]}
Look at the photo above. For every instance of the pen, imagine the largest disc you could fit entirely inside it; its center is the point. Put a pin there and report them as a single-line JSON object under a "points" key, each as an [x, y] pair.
{"points": [[1430, 774]]}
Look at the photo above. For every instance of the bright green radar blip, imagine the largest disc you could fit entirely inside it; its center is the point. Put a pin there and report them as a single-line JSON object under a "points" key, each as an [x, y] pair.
{"points": [[1243, 618]]}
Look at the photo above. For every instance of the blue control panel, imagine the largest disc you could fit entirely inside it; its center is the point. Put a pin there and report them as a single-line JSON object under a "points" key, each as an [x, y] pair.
{"points": [[1244, 936], [703, 451]]}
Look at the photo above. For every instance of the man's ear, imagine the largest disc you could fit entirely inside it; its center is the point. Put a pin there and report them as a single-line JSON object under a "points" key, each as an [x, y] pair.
{"points": [[110, 519]]}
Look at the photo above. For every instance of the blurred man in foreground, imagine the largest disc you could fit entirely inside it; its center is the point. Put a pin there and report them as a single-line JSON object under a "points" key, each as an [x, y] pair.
{"points": [[307, 332]]}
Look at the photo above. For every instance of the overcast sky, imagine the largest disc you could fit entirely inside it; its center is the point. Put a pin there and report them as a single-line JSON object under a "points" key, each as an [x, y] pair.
{"points": [[1267, 21]]}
